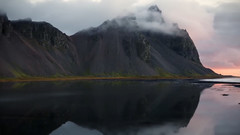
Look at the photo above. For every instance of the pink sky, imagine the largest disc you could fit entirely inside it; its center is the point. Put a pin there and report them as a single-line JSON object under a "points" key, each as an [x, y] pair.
{"points": [[215, 29]]}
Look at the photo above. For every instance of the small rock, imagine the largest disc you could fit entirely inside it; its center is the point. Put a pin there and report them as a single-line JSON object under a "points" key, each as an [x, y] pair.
{"points": [[225, 94]]}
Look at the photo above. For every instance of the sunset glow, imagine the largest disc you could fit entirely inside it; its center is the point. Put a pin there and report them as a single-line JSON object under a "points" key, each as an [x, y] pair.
{"points": [[228, 71]]}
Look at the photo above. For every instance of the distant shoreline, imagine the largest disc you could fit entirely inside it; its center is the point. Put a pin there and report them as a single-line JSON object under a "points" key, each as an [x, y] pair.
{"points": [[75, 78]]}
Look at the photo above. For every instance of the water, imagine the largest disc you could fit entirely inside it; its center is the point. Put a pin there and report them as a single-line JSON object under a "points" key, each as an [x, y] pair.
{"points": [[120, 108], [223, 80]]}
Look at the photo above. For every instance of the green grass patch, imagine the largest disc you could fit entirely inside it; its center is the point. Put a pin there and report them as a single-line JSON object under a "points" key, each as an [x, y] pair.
{"points": [[19, 74], [163, 73]]}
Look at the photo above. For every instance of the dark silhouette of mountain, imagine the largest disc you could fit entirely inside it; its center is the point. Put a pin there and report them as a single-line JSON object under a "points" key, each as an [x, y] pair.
{"points": [[35, 48], [126, 45], [122, 45]]}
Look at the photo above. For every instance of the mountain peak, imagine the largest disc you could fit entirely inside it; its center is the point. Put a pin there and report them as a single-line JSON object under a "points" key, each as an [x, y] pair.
{"points": [[3, 16], [154, 8]]}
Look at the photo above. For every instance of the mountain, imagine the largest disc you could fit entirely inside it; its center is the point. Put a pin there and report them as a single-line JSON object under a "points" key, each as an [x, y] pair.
{"points": [[127, 45], [35, 49], [130, 45]]}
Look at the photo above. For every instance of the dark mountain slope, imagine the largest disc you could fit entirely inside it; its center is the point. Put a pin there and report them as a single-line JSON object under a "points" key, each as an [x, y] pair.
{"points": [[31, 48], [123, 46], [129, 45]]}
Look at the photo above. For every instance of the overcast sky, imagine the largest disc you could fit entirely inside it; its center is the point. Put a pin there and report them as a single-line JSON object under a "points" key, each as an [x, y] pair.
{"points": [[214, 25]]}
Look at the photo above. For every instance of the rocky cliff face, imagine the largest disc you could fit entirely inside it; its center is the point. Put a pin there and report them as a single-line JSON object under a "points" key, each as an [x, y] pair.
{"points": [[44, 33], [5, 25], [35, 49], [128, 45]]}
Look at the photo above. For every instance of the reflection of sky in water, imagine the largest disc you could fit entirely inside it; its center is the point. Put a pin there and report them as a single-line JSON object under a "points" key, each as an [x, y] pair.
{"points": [[229, 80], [70, 128], [215, 115]]}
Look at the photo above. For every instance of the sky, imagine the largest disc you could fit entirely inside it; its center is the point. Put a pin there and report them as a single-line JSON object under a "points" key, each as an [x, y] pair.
{"points": [[214, 25]]}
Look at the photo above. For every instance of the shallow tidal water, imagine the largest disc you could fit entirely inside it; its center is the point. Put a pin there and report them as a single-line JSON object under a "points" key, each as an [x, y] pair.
{"points": [[120, 108]]}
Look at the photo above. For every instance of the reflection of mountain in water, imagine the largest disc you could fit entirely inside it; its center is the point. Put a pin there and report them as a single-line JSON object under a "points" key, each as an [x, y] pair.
{"points": [[39, 108]]}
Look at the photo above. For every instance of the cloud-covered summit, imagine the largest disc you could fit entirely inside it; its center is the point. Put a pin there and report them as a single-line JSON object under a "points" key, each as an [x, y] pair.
{"points": [[144, 19]]}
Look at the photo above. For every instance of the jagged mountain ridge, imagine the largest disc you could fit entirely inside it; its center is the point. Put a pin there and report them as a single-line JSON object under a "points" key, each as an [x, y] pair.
{"points": [[35, 49], [122, 46]]}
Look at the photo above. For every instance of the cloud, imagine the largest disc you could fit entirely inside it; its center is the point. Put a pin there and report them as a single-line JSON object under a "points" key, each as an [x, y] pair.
{"points": [[96, 0], [227, 24], [37, 1], [141, 3], [70, 16], [146, 19], [222, 50], [214, 3], [154, 21]]}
